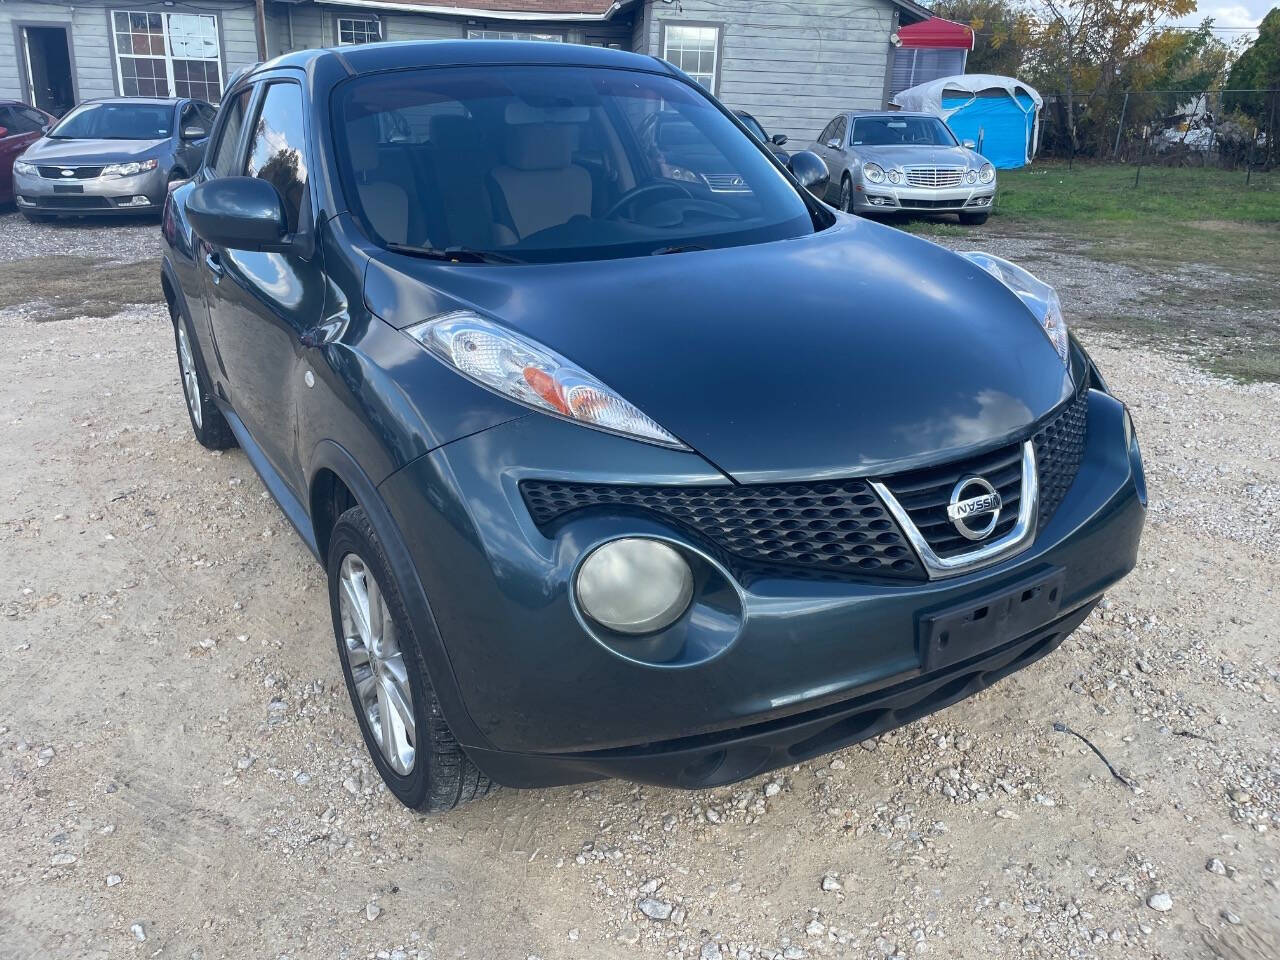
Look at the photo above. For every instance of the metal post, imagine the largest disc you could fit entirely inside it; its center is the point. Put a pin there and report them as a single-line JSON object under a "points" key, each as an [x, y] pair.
{"points": [[1123, 109]]}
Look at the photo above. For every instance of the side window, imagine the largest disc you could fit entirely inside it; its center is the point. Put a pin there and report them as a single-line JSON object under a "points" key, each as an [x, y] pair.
{"points": [[222, 157], [825, 135], [838, 132], [206, 112], [21, 120], [277, 150]]}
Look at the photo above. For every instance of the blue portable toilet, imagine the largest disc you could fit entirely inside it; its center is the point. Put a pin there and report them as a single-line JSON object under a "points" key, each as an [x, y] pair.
{"points": [[1000, 114]]}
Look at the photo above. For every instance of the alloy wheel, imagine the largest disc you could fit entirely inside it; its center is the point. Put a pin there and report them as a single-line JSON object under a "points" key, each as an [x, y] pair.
{"points": [[190, 380], [377, 664], [846, 197]]}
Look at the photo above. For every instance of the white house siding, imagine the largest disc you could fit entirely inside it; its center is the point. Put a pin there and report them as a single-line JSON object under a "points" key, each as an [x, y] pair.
{"points": [[93, 62], [314, 26], [793, 65]]}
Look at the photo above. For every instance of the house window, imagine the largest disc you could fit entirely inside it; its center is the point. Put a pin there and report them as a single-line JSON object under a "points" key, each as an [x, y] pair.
{"points": [[694, 50], [513, 35], [358, 30], [167, 55]]}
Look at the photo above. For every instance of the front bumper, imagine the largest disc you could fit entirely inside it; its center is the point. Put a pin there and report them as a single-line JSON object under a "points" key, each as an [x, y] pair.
{"points": [[886, 197], [809, 665], [93, 196]]}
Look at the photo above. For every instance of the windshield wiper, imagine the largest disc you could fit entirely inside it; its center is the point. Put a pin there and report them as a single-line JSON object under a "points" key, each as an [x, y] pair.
{"points": [[452, 254], [679, 248]]}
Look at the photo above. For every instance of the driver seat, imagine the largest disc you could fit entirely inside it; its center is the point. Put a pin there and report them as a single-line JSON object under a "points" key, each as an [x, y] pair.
{"points": [[539, 185]]}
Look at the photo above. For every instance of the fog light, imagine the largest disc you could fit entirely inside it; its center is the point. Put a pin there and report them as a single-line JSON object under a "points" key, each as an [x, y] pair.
{"points": [[24, 202], [635, 585]]}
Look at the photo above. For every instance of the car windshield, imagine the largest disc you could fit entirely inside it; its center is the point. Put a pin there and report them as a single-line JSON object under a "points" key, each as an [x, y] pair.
{"points": [[555, 163], [115, 121], [894, 131]]}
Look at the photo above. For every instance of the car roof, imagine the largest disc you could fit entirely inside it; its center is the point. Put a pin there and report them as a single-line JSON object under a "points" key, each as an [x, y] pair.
{"points": [[374, 57], [162, 101], [889, 114]]}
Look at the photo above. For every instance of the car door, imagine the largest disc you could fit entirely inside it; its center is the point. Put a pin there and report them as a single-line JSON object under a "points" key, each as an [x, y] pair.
{"points": [[22, 126], [260, 304]]}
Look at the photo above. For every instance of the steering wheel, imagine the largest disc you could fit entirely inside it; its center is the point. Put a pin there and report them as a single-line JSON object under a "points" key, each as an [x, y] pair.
{"points": [[636, 193]]}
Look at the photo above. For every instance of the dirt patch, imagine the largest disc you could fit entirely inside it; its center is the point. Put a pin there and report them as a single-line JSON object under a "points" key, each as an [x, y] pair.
{"points": [[57, 287]]}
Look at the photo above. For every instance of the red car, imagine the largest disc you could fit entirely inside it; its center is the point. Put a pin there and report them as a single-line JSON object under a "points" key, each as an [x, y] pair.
{"points": [[20, 126]]}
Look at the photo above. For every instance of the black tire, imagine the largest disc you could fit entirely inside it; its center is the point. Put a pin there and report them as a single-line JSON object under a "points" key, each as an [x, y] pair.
{"points": [[974, 219], [207, 422], [846, 195], [443, 776]]}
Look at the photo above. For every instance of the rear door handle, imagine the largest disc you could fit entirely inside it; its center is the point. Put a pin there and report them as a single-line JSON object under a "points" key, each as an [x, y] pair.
{"points": [[214, 263]]}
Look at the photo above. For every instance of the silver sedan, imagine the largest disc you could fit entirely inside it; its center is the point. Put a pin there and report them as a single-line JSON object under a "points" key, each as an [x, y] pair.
{"points": [[891, 162]]}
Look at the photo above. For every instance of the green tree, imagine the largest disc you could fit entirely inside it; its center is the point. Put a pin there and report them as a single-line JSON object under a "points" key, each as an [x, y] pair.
{"points": [[1002, 33], [1258, 69]]}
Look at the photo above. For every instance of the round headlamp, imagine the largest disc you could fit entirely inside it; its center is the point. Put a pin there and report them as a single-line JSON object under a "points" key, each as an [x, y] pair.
{"points": [[971, 176], [873, 172]]}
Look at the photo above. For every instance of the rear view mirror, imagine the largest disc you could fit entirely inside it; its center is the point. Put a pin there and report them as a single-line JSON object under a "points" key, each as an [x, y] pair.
{"points": [[241, 213], [811, 170], [194, 131], [4, 131], [779, 139], [969, 144], [833, 144]]}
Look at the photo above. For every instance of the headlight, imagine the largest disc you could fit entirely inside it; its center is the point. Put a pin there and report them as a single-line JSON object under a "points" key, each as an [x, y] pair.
{"points": [[634, 585], [971, 176], [21, 166], [1040, 298], [895, 176], [529, 373], [987, 173], [130, 169], [873, 172]]}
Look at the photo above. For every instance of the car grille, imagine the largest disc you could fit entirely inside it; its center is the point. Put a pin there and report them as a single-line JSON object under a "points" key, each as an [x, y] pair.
{"points": [[80, 173], [839, 526], [76, 201], [726, 183], [1059, 452], [935, 176]]}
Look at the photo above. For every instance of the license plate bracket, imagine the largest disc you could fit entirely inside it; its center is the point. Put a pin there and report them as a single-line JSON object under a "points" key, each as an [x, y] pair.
{"points": [[68, 188], [955, 633]]}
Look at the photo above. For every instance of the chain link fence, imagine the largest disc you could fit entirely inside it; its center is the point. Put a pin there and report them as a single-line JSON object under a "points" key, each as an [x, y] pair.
{"points": [[1222, 128]]}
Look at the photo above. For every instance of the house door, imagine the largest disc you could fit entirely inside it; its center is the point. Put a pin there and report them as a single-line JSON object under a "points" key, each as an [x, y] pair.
{"points": [[47, 52]]}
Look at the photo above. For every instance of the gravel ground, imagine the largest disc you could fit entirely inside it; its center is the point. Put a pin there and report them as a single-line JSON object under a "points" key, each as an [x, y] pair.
{"points": [[181, 776]]}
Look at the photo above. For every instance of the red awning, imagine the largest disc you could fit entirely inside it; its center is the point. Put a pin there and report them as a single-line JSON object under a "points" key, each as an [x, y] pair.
{"points": [[937, 33]]}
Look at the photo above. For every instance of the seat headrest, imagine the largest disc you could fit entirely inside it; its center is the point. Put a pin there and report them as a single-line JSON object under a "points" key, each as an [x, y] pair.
{"points": [[540, 146]]}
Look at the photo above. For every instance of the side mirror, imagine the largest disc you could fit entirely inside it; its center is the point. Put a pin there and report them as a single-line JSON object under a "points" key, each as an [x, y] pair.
{"points": [[46, 128], [242, 213], [811, 170], [194, 131], [4, 131], [833, 144], [969, 144], [778, 139]]}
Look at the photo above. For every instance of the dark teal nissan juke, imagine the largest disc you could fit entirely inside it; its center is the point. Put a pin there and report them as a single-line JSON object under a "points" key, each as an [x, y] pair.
{"points": [[624, 455]]}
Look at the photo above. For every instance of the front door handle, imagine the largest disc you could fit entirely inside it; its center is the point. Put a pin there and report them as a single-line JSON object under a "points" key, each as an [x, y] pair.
{"points": [[214, 263]]}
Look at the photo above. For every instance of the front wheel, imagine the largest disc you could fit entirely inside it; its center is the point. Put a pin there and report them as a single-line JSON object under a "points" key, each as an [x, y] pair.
{"points": [[846, 195], [397, 709], [974, 219], [207, 422]]}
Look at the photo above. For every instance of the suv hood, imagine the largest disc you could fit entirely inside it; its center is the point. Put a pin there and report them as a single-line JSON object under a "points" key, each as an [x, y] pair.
{"points": [[90, 152], [857, 350]]}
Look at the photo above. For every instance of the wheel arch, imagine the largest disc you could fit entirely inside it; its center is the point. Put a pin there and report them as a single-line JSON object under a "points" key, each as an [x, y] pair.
{"points": [[337, 479]]}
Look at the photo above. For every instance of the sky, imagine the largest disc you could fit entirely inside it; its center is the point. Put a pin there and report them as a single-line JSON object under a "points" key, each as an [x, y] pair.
{"points": [[1229, 13]]}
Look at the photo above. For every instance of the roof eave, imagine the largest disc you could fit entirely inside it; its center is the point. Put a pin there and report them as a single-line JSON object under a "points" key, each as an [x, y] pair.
{"points": [[916, 12], [476, 13]]}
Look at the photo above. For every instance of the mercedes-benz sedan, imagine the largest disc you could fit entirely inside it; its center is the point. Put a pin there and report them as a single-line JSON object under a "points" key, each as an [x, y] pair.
{"points": [[614, 471], [904, 163]]}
